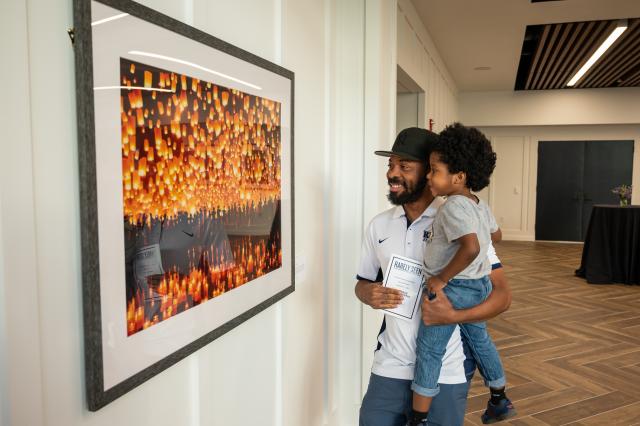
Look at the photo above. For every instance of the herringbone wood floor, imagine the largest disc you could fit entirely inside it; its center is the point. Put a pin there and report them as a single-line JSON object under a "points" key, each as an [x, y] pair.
{"points": [[571, 350]]}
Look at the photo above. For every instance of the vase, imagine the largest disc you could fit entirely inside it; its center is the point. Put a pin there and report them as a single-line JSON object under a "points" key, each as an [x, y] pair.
{"points": [[624, 201]]}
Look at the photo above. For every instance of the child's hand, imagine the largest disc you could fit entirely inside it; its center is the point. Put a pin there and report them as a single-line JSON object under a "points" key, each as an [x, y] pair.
{"points": [[435, 283]]}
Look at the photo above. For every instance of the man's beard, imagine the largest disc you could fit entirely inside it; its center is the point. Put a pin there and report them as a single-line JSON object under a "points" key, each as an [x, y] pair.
{"points": [[409, 195]]}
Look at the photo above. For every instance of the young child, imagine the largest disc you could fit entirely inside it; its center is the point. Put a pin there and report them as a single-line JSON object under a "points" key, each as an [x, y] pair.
{"points": [[456, 261]]}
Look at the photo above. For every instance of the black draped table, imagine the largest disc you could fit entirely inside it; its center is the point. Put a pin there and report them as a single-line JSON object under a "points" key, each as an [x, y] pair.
{"points": [[611, 252]]}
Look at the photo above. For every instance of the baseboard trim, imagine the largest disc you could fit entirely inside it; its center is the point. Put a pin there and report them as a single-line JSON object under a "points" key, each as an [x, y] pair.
{"points": [[506, 236]]}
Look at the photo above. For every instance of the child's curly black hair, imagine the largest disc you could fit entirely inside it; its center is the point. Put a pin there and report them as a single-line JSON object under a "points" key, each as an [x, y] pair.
{"points": [[466, 149]]}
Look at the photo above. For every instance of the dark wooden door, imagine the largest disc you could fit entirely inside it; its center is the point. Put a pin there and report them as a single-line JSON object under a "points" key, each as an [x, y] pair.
{"points": [[558, 198], [572, 177], [607, 164]]}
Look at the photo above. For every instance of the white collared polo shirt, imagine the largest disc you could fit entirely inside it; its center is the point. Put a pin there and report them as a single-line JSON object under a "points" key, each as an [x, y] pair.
{"points": [[386, 235]]}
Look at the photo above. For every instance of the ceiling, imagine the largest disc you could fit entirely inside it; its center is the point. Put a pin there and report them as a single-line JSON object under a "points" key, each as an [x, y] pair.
{"points": [[552, 54], [489, 33]]}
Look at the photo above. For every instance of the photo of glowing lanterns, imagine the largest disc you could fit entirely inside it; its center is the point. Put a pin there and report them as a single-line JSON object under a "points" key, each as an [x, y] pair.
{"points": [[186, 190], [199, 162]]}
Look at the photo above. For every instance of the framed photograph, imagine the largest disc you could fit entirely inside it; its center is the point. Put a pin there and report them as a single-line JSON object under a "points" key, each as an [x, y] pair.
{"points": [[186, 186]]}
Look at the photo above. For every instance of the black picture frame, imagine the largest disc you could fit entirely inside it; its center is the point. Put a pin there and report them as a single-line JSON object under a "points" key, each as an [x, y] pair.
{"points": [[97, 395]]}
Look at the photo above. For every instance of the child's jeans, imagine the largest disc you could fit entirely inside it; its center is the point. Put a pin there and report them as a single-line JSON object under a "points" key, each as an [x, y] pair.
{"points": [[432, 340]]}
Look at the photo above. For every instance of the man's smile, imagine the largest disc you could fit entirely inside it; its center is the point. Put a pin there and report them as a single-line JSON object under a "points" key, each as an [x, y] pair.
{"points": [[395, 186]]}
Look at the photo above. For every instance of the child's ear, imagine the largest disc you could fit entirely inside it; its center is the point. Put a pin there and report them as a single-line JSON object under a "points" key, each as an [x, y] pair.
{"points": [[460, 178]]}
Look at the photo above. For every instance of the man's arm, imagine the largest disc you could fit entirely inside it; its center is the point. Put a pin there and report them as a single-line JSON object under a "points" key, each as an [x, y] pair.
{"points": [[376, 295], [440, 310]]}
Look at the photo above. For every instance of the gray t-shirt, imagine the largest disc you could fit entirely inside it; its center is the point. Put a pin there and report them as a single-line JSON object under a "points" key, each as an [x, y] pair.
{"points": [[457, 217]]}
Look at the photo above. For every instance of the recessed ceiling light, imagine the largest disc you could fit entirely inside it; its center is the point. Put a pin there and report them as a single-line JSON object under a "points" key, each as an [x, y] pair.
{"points": [[482, 68]]}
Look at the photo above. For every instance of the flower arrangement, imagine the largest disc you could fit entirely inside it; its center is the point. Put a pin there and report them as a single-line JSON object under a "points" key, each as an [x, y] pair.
{"points": [[624, 192]]}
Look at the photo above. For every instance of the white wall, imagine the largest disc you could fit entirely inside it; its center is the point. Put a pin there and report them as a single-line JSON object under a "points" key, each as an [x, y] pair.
{"points": [[419, 58], [379, 133], [22, 376], [295, 363], [551, 107], [406, 110], [4, 373], [512, 193], [344, 201]]}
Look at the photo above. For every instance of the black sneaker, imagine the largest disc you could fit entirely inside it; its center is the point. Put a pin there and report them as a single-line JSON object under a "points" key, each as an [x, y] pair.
{"points": [[498, 412]]}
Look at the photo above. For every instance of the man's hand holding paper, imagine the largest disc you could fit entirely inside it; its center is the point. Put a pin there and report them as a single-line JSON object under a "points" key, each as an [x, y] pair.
{"points": [[405, 275]]}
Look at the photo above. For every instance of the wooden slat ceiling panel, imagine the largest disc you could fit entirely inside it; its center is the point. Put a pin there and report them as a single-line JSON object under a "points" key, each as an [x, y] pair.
{"points": [[557, 59], [624, 50], [591, 44], [609, 68], [536, 59], [635, 79], [567, 54], [577, 52], [547, 57], [563, 48]]}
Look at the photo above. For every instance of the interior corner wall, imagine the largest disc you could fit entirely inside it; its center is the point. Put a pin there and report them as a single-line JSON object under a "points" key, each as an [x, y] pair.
{"points": [[512, 192], [419, 58], [276, 362]]}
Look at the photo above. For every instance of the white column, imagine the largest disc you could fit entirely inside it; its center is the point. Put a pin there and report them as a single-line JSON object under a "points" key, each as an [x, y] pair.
{"points": [[379, 133], [345, 41], [20, 368]]}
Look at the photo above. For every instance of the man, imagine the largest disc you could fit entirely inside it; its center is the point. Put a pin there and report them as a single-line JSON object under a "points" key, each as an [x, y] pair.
{"points": [[403, 230]]}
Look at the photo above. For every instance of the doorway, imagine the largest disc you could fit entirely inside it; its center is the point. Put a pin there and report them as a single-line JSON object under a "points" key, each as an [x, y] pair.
{"points": [[572, 177], [409, 102]]}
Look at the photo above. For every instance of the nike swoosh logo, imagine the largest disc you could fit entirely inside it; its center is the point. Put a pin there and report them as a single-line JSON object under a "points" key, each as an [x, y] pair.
{"points": [[189, 233], [382, 240]]}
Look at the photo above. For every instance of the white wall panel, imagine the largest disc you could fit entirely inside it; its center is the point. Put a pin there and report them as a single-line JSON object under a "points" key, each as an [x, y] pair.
{"points": [[508, 182], [379, 133], [419, 58], [551, 107], [21, 369], [275, 363]]}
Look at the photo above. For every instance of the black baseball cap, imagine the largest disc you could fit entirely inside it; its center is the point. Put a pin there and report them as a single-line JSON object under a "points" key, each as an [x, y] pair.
{"points": [[412, 143]]}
